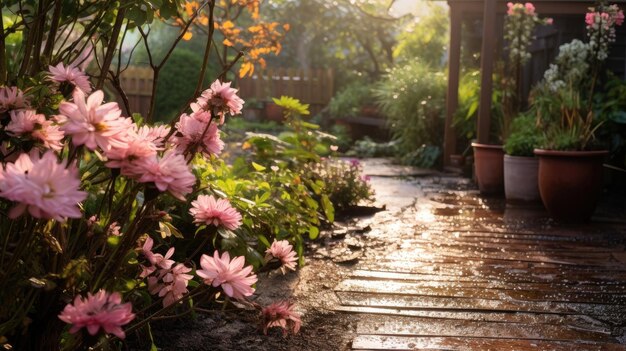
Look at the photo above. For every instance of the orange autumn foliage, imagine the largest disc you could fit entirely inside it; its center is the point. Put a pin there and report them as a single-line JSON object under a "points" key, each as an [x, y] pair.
{"points": [[257, 40]]}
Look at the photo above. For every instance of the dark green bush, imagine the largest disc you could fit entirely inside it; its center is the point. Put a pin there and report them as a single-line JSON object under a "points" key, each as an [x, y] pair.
{"points": [[177, 82]]}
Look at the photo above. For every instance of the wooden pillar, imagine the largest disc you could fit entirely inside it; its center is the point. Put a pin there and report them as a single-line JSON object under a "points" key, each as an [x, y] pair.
{"points": [[454, 68], [486, 70]]}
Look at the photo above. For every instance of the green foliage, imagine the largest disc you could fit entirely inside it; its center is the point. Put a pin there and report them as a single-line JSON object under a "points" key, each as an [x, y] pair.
{"points": [[426, 38], [413, 98], [177, 82], [344, 184], [292, 106], [350, 99], [369, 148], [524, 137]]}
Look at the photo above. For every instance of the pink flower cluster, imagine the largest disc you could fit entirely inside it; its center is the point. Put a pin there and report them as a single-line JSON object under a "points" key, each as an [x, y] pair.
{"points": [[221, 99], [207, 210], [195, 131], [165, 279], [519, 8], [235, 280], [282, 251], [42, 186], [282, 315], [30, 124], [100, 311], [601, 23]]}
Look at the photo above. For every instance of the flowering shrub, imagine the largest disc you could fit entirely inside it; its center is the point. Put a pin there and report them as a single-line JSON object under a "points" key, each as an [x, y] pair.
{"points": [[106, 221], [344, 182], [519, 25], [564, 102]]}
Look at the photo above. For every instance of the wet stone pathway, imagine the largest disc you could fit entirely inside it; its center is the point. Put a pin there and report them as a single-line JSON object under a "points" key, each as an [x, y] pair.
{"points": [[446, 269]]}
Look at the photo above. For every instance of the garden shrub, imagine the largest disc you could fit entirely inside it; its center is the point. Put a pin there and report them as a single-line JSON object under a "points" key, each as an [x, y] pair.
{"points": [[349, 101], [413, 99], [177, 82], [343, 181], [524, 137]]}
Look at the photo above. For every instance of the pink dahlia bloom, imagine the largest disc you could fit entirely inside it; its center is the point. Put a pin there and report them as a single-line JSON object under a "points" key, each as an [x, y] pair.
{"points": [[70, 74], [207, 210], [222, 99], [282, 315], [42, 186], [282, 251], [28, 122], [92, 123], [168, 173], [12, 98], [102, 310], [530, 8], [138, 143], [193, 134], [170, 284], [231, 276]]}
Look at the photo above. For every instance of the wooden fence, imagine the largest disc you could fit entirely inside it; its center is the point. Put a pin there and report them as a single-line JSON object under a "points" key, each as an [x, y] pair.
{"points": [[314, 87], [137, 84]]}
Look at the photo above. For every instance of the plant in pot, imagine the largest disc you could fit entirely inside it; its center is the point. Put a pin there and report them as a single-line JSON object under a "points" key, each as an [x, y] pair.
{"points": [[519, 24], [520, 164], [570, 157]]}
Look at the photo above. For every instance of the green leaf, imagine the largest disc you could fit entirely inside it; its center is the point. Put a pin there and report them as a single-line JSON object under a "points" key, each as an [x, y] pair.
{"points": [[258, 167], [329, 210], [314, 232], [264, 240]]}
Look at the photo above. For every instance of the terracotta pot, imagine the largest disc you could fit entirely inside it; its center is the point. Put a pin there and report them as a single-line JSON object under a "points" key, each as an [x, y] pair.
{"points": [[520, 178], [570, 182], [489, 168]]}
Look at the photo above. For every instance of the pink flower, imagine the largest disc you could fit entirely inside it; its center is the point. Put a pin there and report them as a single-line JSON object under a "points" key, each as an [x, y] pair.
{"points": [[590, 18], [619, 18], [156, 260], [114, 229], [222, 99], [25, 122], [549, 21], [102, 310], [207, 210], [281, 314], [231, 276], [12, 98], [195, 136], [171, 284], [282, 251], [168, 173], [530, 8], [138, 143], [70, 74], [510, 7], [92, 123], [44, 187]]}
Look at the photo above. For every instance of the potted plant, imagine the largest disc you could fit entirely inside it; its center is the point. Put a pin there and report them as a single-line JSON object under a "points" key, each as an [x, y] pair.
{"points": [[520, 164], [519, 24], [570, 157]]}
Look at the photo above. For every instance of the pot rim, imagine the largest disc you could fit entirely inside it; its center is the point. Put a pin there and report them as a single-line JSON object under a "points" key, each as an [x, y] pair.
{"points": [[521, 159], [557, 153], [487, 146]]}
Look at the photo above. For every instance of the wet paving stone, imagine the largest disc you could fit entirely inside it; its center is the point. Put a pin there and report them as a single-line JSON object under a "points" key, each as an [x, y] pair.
{"points": [[451, 270]]}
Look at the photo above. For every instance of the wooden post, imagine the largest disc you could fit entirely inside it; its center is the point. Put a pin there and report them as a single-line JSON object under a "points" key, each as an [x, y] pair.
{"points": [[454, 67], [486, 71]]}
